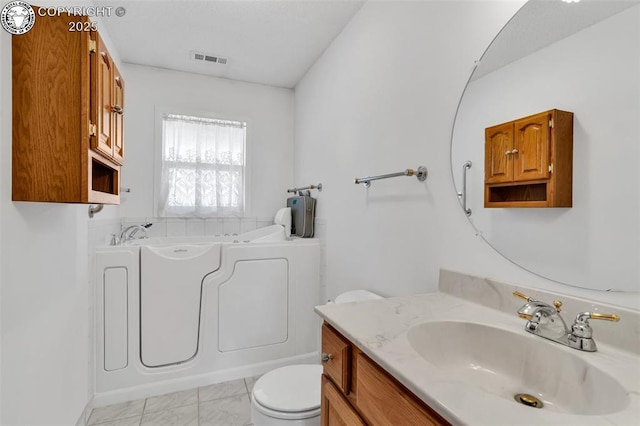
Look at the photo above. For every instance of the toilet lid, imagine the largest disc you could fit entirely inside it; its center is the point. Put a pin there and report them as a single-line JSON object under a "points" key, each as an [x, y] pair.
{"points": [[292, 388]]}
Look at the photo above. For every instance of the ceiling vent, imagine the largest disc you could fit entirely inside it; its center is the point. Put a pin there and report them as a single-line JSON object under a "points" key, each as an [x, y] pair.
{"points": [[205, 57]]}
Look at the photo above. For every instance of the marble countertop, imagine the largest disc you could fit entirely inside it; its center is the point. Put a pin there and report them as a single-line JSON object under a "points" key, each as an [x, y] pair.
{"points": [[379, 328]]}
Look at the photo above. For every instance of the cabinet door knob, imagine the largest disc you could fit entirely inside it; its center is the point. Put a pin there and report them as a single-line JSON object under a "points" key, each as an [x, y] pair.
{"points": [[117, 109], [507, 153], [514, 151], [326, 357]]}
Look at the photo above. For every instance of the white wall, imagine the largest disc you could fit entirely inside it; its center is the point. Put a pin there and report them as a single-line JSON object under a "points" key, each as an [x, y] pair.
{"points": [[269, 111], [44, 300], [46, 304], [382, 99]]}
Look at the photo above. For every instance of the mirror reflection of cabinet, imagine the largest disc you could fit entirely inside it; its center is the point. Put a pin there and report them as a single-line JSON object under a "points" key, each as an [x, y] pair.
{"points": [[529, 161]]}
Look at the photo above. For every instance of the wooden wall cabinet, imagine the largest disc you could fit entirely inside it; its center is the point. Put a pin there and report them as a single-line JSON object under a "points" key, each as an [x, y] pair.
{"points": [[356, 391], [64, 104], [108, 107], [529, 161]]}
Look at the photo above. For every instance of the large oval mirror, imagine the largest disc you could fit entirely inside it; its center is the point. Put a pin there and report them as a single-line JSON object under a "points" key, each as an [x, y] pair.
{"points": [[582, 57]]}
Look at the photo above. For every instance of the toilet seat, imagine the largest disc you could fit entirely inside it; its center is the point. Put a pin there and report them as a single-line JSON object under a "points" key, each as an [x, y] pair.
{"points": [[283, 415], [290, 393]]}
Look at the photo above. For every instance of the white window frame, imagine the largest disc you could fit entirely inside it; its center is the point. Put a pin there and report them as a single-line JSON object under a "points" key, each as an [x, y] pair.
{"points": [[160, 112]]}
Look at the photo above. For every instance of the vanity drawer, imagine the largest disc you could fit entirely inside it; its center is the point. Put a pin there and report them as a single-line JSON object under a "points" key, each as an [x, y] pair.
{"points": [[336, 357], [385, 402], [336, 409]]}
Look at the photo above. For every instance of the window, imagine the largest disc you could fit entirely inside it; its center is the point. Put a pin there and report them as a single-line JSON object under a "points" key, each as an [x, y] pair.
{"points": [[202, 166]]}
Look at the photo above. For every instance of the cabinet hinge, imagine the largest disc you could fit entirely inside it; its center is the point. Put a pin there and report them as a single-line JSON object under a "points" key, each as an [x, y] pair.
{"points": [[92, 129], [92, 46], [551, 123], [551, 168]]}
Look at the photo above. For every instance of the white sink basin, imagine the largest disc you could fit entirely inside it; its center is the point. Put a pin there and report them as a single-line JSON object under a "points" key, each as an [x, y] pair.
{"points": [[505, 363]]}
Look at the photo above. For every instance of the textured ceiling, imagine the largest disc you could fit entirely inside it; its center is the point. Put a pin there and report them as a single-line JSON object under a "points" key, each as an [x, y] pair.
{"points": [[267, 41], [540, 23]]}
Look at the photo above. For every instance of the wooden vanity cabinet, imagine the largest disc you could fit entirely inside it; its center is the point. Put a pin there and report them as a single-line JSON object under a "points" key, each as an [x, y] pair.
{"points": [[529, 161], [357, 391], [62, 107], [335, 408]]}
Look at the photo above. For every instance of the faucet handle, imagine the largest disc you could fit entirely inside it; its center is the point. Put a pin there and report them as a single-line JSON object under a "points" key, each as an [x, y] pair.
{"points": [[523, 296], [584, 317], [581, 336], [556, 303]]}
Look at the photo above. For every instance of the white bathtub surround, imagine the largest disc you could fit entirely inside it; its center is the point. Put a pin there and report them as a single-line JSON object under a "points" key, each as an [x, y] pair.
{"points": [[253, 312], [382, 330], [196, 227]]}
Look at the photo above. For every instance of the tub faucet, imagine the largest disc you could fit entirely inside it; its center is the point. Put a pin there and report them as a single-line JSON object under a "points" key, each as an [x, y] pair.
{"points": [[129, 232], [545, 321]]}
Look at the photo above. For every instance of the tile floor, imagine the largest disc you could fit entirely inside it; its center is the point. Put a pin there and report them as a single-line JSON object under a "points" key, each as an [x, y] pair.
{"points": [[222, 404]]}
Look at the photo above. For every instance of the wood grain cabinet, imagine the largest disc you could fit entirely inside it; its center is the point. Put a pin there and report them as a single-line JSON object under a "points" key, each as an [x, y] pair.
{"points": [[108, 107], [67, 115], [529, 161], [357, 391]]}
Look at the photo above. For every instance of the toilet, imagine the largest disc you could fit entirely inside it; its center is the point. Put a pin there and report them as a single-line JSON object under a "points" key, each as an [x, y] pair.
{"points": [[290, 396]]}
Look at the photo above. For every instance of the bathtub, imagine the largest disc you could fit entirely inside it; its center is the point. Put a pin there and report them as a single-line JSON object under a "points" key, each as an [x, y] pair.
{"points": [[177, 313]]}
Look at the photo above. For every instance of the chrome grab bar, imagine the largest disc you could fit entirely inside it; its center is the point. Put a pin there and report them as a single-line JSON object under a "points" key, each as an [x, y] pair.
{"points": [[318, 187], [420, 174], [463, 195]]}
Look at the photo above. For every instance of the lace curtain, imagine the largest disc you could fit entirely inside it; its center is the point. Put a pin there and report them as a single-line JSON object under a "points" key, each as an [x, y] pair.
{"points": [[202, 167]]}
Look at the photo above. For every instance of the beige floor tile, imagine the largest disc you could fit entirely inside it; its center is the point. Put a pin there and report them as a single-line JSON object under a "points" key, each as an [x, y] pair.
{"points": [[222, 390], [231, 411], [171, 400], [250, 381], [179, 416], [116, 411], [129, 421]]}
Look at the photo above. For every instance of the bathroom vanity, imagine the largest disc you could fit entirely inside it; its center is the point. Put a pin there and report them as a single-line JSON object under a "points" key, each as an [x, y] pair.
{"points": [[355, 388], [461, 356]]}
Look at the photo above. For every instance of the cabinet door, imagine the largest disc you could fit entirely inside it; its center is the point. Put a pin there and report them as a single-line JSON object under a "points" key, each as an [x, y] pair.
{"points": [[532, 140], [118, 117], [498, 156], [335, 410], [383, 402], [102, 141]]}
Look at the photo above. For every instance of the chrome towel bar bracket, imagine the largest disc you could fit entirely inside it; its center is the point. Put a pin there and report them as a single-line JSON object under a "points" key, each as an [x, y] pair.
{"points": [[94, 209], [420, 174], [318, 187]]}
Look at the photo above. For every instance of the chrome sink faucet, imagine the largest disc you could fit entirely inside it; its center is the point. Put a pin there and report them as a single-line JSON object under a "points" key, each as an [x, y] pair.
{"points": [[545, 321], [129, 232]]}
